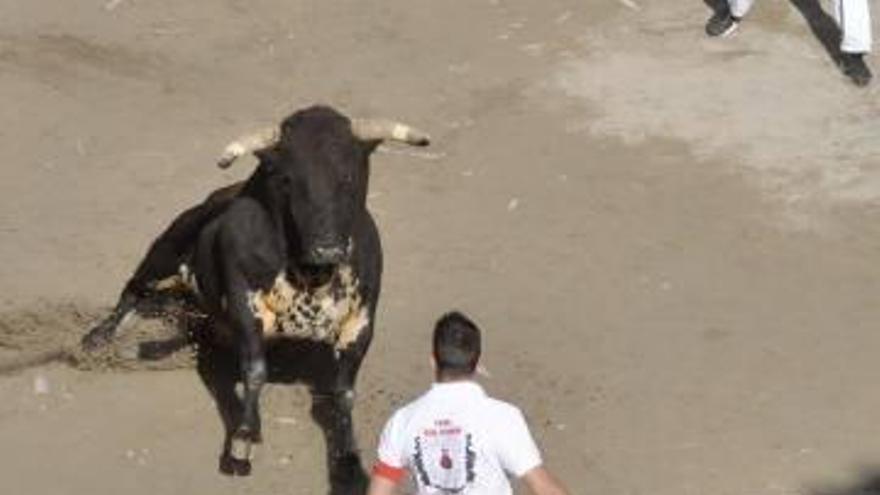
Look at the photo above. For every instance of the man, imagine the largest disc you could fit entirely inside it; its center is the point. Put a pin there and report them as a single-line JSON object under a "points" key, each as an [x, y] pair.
{"points": [[852, 16], [454, 438]]}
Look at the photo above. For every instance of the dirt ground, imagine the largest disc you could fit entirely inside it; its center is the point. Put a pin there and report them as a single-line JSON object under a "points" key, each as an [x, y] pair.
{"points": [[671, 242]]}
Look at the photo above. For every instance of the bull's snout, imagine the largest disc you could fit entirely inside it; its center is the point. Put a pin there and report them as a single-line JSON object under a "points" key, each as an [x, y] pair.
{"points": [[329, 253]]}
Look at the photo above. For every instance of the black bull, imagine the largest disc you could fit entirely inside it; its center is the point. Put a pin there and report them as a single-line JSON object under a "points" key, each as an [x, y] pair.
{"points": [[290, 252]]}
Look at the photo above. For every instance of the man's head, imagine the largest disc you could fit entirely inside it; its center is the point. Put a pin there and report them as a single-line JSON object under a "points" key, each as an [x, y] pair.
{"points": [[456, 346]]}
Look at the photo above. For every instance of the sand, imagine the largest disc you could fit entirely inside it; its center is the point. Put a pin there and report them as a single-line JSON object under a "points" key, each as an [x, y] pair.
{"points": [[671, 242]]}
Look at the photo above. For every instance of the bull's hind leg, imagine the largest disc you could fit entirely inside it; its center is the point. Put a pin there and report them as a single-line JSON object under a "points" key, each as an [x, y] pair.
{"points": [[104, 332], [141, 293], [161, 272], [151, 302]]}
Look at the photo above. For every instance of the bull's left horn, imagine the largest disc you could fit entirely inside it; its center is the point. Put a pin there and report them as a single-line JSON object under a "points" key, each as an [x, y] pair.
{"points": [[248, 143], [380, 130]]}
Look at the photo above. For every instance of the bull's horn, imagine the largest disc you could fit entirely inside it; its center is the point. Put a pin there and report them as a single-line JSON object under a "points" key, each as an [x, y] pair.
{"points": [[380, 130], [246, 144]]}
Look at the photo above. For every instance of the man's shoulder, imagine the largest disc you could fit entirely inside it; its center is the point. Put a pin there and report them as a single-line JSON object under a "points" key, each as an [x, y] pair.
{"points": [[407, 410], [502, 407], [483, 406]]}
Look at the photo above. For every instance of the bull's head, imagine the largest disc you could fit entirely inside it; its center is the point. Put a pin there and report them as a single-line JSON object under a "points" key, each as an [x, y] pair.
{"points": [[314, 172]]}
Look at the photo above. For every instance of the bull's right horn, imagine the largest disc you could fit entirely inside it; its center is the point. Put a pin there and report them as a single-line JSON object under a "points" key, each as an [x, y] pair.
{"points": [[380, 130], [246, 144]]}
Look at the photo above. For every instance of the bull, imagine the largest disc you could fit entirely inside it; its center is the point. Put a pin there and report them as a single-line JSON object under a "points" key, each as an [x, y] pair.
{"points": [[292, 251]]}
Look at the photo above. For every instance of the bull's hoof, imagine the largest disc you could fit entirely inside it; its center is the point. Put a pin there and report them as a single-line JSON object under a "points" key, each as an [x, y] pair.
{"points": [[237, 460], [242, 448], [95, 339], [347, 476], [234, 467], [102, 334]]}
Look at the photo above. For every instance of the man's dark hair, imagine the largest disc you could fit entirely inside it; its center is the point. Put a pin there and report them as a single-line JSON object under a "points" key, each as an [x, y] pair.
{"points": [[456, 345]]}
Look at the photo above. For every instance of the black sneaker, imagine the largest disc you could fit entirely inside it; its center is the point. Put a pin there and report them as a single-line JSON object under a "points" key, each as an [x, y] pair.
{"points": [[855, 68], [722, 24]]}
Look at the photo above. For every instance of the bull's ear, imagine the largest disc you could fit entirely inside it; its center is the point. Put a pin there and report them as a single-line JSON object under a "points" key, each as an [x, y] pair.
{"points": [[266, 155], [370, 145]]}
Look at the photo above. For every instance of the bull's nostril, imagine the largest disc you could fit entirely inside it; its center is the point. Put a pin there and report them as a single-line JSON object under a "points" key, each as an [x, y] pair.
{"points": [[328, 254]]}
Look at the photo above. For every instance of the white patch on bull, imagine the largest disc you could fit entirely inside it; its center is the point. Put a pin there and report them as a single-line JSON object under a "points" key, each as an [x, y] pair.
{"points": [[333, 313], [241, 449], [169, 283], [260, 309], [188, 277], [125, 321], [184, 280], [352, 327]]}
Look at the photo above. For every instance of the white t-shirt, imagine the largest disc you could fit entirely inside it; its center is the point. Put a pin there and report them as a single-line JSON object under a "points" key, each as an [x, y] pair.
{"points": [[455, 439]]}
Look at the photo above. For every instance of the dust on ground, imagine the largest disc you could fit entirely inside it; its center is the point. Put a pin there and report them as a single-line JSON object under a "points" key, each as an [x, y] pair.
{"points": [[51, 332], [779, 108]]}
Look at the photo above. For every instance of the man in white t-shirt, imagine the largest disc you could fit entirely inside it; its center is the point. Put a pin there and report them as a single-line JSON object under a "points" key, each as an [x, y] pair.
{"points": [[455, 439]]}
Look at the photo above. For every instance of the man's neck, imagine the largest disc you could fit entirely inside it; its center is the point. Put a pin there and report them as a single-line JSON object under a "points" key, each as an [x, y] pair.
{"points": [[445, 380]]}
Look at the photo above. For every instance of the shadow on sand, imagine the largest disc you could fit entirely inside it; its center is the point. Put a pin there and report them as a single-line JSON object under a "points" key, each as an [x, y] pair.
{"points": [[868, 483], [289, 362]]}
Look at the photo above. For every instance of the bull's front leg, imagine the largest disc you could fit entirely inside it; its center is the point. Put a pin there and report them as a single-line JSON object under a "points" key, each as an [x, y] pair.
{"points": [[252, 358], [332, 409], [218, 367]]}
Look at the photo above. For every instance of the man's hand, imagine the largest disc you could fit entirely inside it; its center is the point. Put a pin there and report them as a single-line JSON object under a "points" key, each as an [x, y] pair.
{"points": [[540, 482]]}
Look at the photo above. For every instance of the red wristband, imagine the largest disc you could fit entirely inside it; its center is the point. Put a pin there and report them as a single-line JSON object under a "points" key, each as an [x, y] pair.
{"points": [[390, 473]]}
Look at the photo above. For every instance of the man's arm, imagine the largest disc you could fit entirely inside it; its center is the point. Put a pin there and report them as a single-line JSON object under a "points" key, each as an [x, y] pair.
{"points": [[380, 485], [385, 478], [539, 481], [388, 470]]}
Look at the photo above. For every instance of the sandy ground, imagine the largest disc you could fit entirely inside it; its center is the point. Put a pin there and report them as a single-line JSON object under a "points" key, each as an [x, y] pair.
{"points": [[671, 242]]}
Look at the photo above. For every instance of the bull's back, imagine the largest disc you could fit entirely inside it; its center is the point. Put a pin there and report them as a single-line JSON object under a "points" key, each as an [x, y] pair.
{"points": [[173, 247]]}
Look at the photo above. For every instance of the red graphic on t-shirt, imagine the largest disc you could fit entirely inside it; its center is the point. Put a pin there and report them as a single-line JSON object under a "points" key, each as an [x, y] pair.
{"points": [[445, 460]]}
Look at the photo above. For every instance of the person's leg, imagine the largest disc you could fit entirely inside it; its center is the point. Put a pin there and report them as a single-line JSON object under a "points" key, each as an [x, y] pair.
{"points": [[854, 19], [725, 21]]}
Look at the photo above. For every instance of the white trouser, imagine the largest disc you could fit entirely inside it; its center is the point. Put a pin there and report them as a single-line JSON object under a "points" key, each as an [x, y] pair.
{"points": [[852, 16]]}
